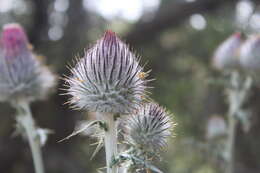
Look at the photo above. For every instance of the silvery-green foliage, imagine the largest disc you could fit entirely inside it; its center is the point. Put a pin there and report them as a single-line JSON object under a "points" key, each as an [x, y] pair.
{"points": [[132, 161], [226, 55], [108, 78], [149, 128], [40, 133], [22, 76], [250, 54]]}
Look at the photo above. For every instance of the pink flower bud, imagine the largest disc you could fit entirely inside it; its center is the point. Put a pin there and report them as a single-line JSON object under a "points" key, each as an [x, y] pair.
{"points": [[250, 54], [22, 76], [108, 78], [226, 55], [13, 40]]}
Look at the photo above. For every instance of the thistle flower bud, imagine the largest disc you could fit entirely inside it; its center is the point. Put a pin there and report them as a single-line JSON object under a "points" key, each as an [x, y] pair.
{"points": [[226, 55], [22, 77], [250, 54], [216, 127], [149, 128], [108, 78]]}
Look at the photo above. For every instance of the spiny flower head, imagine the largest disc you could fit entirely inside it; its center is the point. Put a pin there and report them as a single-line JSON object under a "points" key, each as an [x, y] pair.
{"points": [[250, 54], [22, 77], [108, 78], [226, 55], [149, 128]]}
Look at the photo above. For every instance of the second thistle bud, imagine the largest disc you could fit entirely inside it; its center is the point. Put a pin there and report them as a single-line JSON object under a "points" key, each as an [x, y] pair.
{"points": [[108, 78], [226, 55], [250, 54], [149, 128], [22, 76]]}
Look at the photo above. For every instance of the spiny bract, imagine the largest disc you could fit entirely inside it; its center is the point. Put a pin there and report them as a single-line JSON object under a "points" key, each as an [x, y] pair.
{"points": [[226, 55], [149, 127], [22, 76], [107, 79]]}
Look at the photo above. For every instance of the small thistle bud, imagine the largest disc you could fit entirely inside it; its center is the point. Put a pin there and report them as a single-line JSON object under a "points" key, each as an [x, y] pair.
{"points": [[149, 128], [108, 78], [22, 77], [250, 54], [216, 127], [226, 55]]}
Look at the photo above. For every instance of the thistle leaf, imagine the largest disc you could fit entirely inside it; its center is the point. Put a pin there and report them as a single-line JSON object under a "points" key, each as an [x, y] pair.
{"points": [[81, 130], [43, 135], [153, 168], [99, 146]]}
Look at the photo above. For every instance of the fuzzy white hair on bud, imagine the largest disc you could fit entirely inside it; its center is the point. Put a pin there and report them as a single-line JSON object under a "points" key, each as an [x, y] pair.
{"points": [[107, 79], [149, 128]]}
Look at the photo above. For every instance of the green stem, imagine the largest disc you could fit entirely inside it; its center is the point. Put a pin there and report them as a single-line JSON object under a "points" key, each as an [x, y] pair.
{"points": [[231, 140], [110, 141], [26, 121], [237, 96], [234, 106]]}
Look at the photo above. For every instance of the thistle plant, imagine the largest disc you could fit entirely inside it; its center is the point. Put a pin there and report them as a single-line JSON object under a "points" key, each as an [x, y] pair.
{"points": [[246, 56], [148, 128], [109, 81], [146, 133], [23, 79]]}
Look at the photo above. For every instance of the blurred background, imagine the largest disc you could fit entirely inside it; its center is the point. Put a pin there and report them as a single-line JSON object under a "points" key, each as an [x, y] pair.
{"points": [[176, 37]]}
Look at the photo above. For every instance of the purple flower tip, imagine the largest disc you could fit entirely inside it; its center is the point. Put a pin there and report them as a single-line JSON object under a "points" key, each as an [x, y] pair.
{"points": [[237, 34], [110, 36], [13, 39]]}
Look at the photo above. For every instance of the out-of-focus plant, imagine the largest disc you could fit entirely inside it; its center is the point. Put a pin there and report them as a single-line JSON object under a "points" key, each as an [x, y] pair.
{"points": [[250, 55], [24, 79], [226, 56], [109, 81], [240, 61]]}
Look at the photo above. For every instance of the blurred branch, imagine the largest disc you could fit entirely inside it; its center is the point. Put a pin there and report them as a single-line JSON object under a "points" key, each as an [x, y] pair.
{"points": [[171, 15], [76, 29], [38, 30]]}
